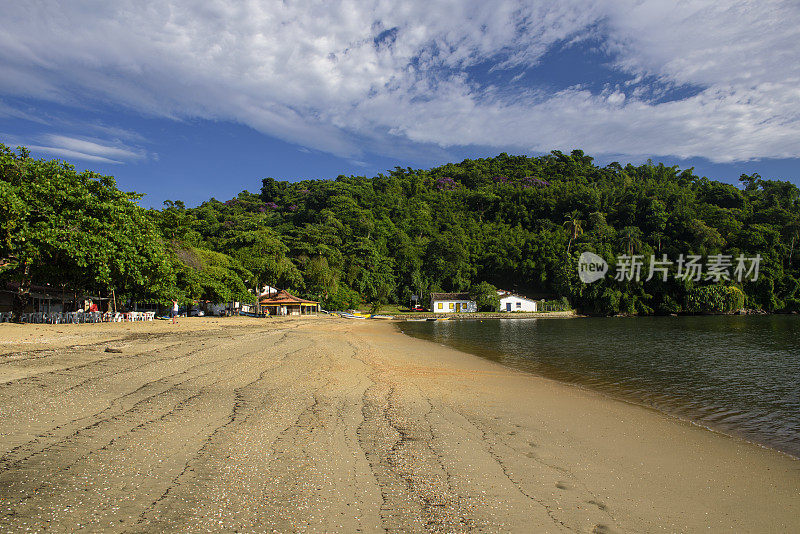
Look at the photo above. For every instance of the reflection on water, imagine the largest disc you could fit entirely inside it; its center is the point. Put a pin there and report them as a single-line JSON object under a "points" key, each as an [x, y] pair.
{"points": [[737, 374]]}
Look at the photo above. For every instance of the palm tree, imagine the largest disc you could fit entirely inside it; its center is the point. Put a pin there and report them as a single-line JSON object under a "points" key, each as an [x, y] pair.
{"points": [[793, 231], [631, 237], [576, 225]]}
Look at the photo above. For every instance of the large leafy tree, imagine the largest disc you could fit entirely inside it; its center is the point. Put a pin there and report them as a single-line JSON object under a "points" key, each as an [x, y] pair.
{"points": [[75, 230], [485, 296], [205, 275]]}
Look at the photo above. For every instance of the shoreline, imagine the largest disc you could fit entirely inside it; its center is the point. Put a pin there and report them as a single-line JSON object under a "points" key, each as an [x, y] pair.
{"points": [[477, 316], [656, 416], [617, 393], [326, 424]]}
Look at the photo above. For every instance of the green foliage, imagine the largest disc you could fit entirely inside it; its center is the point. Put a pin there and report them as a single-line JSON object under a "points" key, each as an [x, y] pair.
{"points": [[715, 299], [485, 296], [208, 275], [76, 230], [792, 305], [343, 299], [509, 221]]}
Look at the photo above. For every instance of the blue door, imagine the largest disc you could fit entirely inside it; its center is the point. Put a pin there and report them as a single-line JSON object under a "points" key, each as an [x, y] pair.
{"points": [[508, 306]]}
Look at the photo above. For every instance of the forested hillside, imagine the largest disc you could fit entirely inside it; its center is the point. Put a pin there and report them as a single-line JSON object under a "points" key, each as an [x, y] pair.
{"points": [[517, 222]]}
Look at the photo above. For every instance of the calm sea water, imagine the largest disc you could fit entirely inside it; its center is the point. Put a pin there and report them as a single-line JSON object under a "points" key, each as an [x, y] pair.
{"points": [[736, 374]]}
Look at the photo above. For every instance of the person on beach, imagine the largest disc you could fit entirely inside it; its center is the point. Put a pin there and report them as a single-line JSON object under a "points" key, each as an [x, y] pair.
{"points": [[174, 310]]}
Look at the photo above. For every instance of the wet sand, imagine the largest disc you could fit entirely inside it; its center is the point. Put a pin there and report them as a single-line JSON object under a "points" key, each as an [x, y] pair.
{"points": [[330, 425]]}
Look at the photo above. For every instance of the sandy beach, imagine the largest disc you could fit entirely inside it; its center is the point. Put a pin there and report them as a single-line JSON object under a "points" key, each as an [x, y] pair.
{"points": [[330, 425]]}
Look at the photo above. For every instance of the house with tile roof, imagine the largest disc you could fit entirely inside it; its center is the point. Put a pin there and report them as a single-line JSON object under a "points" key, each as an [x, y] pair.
{"points": [[284, 303]]}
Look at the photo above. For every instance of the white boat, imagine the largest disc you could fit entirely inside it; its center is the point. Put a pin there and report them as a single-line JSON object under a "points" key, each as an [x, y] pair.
{"points": [[351, 316]]}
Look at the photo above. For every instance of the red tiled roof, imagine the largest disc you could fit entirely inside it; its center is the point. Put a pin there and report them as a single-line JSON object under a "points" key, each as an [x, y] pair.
{"points": [[283, 297]]}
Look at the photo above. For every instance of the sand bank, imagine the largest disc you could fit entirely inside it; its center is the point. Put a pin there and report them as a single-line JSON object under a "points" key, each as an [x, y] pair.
{"points": [[342, 426]]}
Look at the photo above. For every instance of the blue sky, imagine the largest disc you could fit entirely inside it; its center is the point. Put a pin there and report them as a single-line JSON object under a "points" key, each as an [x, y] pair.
{"points": [[184, 100]]}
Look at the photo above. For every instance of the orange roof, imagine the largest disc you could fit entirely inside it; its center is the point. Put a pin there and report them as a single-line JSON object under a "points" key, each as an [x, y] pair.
{"points": [[283, 297]]}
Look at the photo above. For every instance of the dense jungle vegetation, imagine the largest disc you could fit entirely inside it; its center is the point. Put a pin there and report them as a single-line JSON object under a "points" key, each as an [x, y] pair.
{"points": [[516, 222]]}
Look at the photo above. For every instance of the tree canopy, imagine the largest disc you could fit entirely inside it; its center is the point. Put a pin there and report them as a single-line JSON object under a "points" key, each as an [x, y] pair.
{"points": [[513, 222], [76, 230]]}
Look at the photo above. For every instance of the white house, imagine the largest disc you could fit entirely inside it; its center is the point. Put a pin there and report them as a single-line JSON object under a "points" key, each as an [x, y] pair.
{"points": [[452, 303], [509, 302]]}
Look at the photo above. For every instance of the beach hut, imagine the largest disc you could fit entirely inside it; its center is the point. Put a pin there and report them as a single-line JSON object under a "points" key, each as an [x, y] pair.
{"points": [[284, 303], [452, 303]]}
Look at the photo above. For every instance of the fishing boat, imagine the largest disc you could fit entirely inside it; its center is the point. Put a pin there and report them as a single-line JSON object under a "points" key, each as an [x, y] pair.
{"points": [[252, 314]]}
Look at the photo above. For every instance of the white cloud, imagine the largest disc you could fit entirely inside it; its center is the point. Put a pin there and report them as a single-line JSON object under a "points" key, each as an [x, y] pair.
{"points": [[312, 73], [88, 149], [13, 112]]}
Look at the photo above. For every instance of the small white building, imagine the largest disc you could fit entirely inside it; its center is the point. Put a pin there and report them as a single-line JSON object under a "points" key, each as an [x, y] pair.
{"points": [[452, 303], [509, 302]]}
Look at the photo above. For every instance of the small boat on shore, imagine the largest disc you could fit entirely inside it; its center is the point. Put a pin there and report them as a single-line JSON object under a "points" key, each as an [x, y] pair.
{"points": [[351, 316], [252, 314]]}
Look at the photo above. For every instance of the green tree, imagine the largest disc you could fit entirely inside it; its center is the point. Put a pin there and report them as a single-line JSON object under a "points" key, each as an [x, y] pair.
{"points": [[575, 226], [75, 230], [485, 296]]}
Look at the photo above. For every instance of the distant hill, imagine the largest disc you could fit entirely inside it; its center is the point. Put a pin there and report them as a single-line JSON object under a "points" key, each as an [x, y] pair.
{"points": [[516, 222]]}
